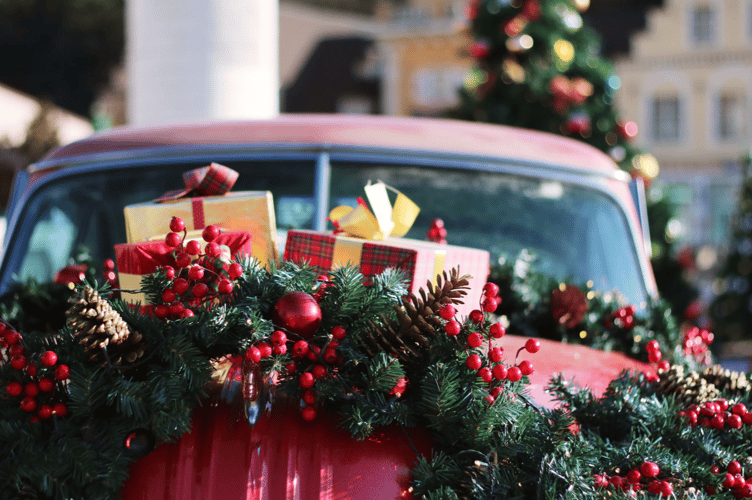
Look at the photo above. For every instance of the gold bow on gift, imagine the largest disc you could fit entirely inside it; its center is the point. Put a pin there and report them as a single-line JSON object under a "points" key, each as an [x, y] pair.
{"points": [[383, 222]]}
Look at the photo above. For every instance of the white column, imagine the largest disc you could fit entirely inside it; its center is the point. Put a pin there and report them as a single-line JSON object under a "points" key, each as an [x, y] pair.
{"points": [[194, 60]]}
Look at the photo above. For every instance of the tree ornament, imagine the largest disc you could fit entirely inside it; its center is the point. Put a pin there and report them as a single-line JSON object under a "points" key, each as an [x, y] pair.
{"points": [[497, 330], [499, 372], [526, 367], [417, 319], [46, 384], [306, 380], [447, 312], [225, 287], [45, 412], [139, 442], [568, 305], [297, 312], [97, 326], [31, 389]]}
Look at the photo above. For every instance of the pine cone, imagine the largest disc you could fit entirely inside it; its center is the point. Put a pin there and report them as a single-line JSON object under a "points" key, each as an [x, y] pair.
{"points": [[417, 319], [726, 380], [26, 493], [688, 389], [97, 326]]}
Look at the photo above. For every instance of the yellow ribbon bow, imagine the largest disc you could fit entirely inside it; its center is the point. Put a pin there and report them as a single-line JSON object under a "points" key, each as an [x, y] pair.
{"points": [[385, 220]]}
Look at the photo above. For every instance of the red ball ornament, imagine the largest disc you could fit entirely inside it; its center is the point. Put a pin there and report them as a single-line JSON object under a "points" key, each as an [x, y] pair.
{"points": [[210, 233], [490, 289], [176, 309], [31, 369], [309, 397], [568, 305], [652, 346], [319, 372], [180, 286], [496, 354], [339, 333], [224, 287], [489, 304], [654, 356], [196, 272], [16, 350], [200, 290], [330, 356], [62, 372], [476, 316], [497, 330], [169, 272], [177, 224], [526, 367], [485, 374], [734, 467], [279, 350], [212, 250], [297, 312], [265, 350], [300, 349], [12, 337], [499, 372], [161, 311], [48, 358], [169, 296]]}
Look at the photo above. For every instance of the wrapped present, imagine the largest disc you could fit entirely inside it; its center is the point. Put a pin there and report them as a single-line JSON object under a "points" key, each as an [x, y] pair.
{"points": [[206, 201], [135, 260], [421, 261]]}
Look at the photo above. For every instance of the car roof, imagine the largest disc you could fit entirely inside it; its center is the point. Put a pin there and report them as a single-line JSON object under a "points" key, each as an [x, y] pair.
{"points": [[366, 131]]}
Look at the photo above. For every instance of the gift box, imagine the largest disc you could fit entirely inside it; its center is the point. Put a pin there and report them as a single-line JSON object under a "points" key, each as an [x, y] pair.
{"points": [[421, 261], [206, 201], [135, 260]]}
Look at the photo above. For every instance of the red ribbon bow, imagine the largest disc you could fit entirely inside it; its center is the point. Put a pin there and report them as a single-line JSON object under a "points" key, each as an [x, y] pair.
{"points": [[213, 180]]}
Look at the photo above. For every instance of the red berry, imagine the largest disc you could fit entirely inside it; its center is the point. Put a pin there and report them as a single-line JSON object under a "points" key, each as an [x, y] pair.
{"points": [[265, 350], [60, 409], [306, 380], [634, 476], [330, 356], [654, 356], [495, 392], [476, 316], [28, 404], [475, 339], [718, 421], [182, 260], [485, 374], [291, 367], [309, 397], [224, 287], [193, 247], [663, 366], [48, 358], [253, 355], [490, 289], [161, 311], [532, 345], [654, 487], [18, 362], [177, 224], [169, 272], [649, 469], [739, 409], [526, 367], [628, 322], [200, 290], [715, 470], [210, 233], [734, 421], [313, 352], [617, 482], [46, 384], [447, 312], [62, 372], [452, 328], [12, 337], [172, 240], [652, 346], [278, 337], [14, 389], [499, 372], [514, 374], [728, 481], [474, 362], [3, 327], [497, 330], [279, 350], [723, 404], [600, 480], [734, 467], [212, 250], [496, 354], [308, 413], [747, 418], [16, 350], [299, 349], [196, 272], [169, 296], [490, 399], [235, 270], [108, 265], [180, 286], [45, 412], [319, 372], [187, 313], [31, 369], [339, 333], [34, 420], [488, 304], [176, 309], [666, 489]]}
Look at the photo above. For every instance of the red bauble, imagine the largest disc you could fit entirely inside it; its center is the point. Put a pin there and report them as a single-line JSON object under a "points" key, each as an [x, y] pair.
{"points": [[18, 362], [225, 287], [526, 367], [297, 312], [339, 333], [568, 305], [183, 260], [45, 411]]}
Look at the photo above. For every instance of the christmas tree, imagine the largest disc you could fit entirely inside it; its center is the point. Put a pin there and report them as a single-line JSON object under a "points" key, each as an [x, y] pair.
{"points": [[538, 66], [732, 308]]}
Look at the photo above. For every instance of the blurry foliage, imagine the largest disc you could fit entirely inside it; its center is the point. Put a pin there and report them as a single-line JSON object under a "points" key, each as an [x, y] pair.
{"points": [[61, 50]]}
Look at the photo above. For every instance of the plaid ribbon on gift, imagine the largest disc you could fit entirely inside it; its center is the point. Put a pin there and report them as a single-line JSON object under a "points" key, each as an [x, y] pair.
{"points": [[211, 180], [318, 249]]}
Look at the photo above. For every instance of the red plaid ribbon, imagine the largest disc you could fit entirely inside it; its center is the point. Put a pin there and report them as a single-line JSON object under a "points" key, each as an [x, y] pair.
{"points": [[317, 250], [212, 180]]}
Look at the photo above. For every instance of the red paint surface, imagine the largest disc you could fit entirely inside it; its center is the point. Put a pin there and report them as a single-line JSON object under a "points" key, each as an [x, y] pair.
{"points": [[284, 457]]}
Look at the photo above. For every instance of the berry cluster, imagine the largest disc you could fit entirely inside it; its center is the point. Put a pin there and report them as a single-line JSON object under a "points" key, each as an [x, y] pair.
{"points": [[437, 232], [733, 480], [108, 272], [696, 343], [488, 364], [717, 414], [323, 284], [622, 318], [197, 278], [39, 378], [654, 351], [644, 477]]}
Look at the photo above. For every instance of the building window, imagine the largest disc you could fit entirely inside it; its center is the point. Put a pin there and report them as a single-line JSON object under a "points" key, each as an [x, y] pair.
{"points": [[702, 24], [666, 119], [732, 116]]}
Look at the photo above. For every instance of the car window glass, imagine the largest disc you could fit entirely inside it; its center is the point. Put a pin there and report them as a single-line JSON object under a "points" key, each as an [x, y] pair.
{"points": [[577, 233]]}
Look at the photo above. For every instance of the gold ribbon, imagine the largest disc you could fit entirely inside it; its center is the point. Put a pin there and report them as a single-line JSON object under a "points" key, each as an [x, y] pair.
{"points": [[385, 220]]}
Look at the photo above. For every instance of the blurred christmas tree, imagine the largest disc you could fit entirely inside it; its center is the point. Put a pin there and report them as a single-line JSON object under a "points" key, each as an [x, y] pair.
{"points": [[538, 66], [732, 309]]}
